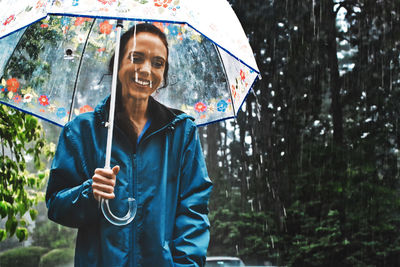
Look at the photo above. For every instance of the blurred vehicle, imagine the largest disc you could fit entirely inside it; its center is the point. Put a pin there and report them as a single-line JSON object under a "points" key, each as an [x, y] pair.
{"points": [[222, 261]]}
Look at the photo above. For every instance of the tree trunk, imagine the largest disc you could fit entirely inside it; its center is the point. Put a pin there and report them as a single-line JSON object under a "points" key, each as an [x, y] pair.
{"points": [[335, 86]]}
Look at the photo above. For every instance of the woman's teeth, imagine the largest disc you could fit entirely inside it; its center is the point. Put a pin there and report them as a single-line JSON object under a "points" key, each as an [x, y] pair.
{"points": [[144, 83]]}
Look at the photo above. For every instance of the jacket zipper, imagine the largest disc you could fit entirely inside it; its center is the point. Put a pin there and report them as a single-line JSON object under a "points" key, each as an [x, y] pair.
{"points": [[133, 240]]}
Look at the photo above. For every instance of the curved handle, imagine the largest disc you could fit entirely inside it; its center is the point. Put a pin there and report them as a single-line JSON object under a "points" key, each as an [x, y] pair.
{"points": [[130, 215]]}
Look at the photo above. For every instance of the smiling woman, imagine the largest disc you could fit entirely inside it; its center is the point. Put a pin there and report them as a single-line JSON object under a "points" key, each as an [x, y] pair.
{"points": [[157, 158], [142, 67]]}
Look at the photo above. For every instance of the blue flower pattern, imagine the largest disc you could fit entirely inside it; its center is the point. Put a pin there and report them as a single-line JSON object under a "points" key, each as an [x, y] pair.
{"points": [[222, 105], [65, 21], [61, 113]]}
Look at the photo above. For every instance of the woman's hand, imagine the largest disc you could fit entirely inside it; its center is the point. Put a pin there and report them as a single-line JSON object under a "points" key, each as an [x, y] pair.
{"points": [[104, 182]]}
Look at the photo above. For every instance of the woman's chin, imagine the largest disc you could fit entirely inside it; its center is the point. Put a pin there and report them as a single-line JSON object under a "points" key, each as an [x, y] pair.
{"points": [[138, 95], [136, 91]]}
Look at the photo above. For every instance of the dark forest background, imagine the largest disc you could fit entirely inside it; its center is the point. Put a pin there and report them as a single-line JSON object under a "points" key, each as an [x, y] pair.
{"points": [[308, 174]]}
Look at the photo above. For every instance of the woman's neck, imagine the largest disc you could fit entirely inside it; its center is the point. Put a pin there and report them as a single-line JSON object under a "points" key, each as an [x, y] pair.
{"points": [[136, 111]]}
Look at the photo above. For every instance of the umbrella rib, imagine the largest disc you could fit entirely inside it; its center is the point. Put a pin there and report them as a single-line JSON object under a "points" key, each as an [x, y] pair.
{"points": [[227, 80], [79, 70]]}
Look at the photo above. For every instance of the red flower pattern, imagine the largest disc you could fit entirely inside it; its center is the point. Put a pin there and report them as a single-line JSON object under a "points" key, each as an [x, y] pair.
{"points": [[40, 4], [105, 27], [159, 25], [17, 98], [43, 100], [85, 108], [8, 21], [79, 21], [200, 107], [233, 90], [12, 85], [104, 2], [162, 3], [242, 75]]}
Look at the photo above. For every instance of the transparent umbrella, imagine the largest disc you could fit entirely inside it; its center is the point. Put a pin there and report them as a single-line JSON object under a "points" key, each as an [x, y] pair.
{"points": [[56, 54]]}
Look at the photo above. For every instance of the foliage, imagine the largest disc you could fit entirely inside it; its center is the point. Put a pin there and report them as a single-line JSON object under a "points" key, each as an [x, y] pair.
{"points": [[22, 257], [21, 139], [233, 234], [53, 236], [57, 257]]}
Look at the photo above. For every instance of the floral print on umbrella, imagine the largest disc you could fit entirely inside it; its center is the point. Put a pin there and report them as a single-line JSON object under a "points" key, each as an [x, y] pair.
{"points": [[222, 105], [105, 2], [40, 3], [242, 75], [106, 27], [81, 20], [43, 100], [200, 107], [61, 113], [65, 21], [12, 85], [17, 98], [28, 98], [85, 108], [9, 20], [162, 3]]}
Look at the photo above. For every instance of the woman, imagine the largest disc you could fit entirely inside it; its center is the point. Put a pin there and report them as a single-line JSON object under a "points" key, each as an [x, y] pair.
{"points": [[157, 158]]}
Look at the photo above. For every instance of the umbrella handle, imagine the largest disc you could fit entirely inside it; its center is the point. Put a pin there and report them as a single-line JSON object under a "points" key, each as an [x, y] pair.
{"points": [[130, 215], [105, 207]]}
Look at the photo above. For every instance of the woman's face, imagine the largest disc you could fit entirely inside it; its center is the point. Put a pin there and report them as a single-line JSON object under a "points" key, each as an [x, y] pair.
{"points": [[142, 67]]}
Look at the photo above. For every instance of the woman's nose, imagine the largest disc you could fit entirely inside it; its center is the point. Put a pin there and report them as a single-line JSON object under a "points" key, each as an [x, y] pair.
{"points": [[145, 68]]}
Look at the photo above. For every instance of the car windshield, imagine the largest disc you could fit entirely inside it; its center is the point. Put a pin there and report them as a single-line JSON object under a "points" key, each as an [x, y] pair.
{"points": [[223, 263]]}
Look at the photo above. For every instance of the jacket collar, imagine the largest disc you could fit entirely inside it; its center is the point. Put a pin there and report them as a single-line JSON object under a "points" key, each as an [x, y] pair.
{"points": [[162, 116]]}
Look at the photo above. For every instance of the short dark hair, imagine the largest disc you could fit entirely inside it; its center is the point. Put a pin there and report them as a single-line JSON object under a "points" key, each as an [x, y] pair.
{"points": [[136, 29]]}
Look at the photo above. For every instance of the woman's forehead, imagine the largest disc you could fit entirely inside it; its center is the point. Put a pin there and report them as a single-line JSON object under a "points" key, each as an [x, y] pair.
{"points": [[146, 42]]}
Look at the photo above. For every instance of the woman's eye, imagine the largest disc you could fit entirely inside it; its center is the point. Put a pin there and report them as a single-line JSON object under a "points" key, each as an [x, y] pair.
{"points": [[135, 58], [158, 64]]}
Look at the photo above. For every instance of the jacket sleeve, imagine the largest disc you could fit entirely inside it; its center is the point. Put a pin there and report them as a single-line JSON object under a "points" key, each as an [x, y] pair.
{"points": [[192, 227], [69, 196]]}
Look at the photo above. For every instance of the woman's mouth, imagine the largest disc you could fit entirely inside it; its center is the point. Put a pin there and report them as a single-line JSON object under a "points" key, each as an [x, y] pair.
{"points": [[143, 82]]}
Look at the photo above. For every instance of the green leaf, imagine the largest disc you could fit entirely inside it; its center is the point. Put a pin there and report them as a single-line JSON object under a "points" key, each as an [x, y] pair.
{"points": [[11, 225], [3, 235], [22, 208], [4, 208], [33, 213], [21, 233], [23, 223]]}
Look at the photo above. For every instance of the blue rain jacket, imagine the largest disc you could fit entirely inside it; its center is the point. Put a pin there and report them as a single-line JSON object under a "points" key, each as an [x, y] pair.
{"points": [[165, 173]]}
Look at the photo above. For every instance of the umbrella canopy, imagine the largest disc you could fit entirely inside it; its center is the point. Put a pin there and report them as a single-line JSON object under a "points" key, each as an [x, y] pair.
{"points": [[57, 67]]}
